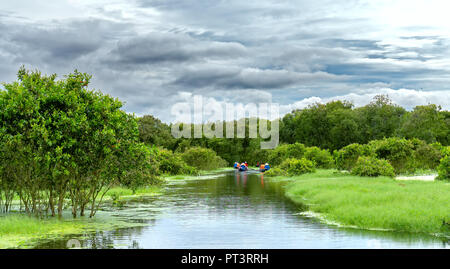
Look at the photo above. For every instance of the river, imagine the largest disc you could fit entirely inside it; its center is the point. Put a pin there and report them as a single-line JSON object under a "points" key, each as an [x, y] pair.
{"points": [[232, 210]]}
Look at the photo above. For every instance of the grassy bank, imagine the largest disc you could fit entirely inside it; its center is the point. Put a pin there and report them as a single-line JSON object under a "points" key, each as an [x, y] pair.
{"points": [[374, 203]]}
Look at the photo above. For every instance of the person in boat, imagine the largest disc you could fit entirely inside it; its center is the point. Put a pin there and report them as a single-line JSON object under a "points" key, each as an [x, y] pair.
{"points": [[267, 167], [246, 164], [243, 167], [257, 164], [236, 165], [262, 168]]}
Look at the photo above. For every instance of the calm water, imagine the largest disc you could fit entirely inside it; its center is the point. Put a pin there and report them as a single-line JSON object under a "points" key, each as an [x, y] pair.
{"points": [[233, 210]]}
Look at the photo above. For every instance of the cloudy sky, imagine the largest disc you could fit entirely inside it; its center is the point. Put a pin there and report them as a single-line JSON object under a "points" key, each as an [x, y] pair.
{"points": [[154, 53]]}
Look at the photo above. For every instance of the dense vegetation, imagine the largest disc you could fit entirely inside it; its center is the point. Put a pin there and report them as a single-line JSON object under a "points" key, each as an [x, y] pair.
{"points": [[335, 135], [337, 124]]}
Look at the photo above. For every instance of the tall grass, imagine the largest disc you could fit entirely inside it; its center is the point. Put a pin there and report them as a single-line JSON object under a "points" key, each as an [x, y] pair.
{"points": [[381, 202]]}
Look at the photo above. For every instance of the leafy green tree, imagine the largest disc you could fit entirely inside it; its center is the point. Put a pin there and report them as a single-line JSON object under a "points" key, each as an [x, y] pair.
{"points": [[154, 132], [381, 118], [68, 141], [427, 123]]}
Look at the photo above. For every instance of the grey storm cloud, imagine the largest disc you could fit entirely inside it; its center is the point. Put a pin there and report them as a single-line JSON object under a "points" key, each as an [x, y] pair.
{"points": [[248, 78], [153, 53], [168, 47]]}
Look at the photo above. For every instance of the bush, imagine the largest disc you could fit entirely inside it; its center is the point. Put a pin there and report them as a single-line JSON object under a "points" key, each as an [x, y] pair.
{"points": [[321, 157], [444, 169], [372, 167], [283, 152], [398, 151], [425, 156], [346, 157], [171, 163], [277, 171], [203, 158], [293, 167]]}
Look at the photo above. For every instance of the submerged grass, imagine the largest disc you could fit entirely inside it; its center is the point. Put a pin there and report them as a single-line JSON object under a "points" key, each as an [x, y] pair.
{"points": [[121, 191], [374, 203], [17, 229]]}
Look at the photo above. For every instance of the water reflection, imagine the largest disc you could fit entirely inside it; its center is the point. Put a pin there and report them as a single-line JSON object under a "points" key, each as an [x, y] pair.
{"points": [[236, 210]]}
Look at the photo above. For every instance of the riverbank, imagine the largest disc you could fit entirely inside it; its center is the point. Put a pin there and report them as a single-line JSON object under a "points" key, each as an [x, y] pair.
{"points": [[373, 203], [18, 230]]}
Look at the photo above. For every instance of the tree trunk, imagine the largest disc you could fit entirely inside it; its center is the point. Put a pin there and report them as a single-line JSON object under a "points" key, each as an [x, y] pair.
{"points": [[51, 204]]}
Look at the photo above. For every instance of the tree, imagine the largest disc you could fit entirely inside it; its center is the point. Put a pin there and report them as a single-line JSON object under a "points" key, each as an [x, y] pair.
{"points": [[427, 123], [381, 118], [67, 141], [154, 132]]}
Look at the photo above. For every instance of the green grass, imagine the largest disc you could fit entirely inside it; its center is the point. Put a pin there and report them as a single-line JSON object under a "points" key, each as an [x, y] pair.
{"points": [[17, 229], [121, 192], [374, 203]]}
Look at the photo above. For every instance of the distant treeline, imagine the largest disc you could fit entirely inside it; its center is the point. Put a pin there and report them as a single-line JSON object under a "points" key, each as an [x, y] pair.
{"points": [[331, 126]]}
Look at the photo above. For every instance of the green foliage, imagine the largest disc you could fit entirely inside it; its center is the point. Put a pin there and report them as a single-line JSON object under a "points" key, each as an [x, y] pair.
{"points": [[427, 123], [59, 139], [381, 118], [444, 169], [372, 167], [153, 132], [398, 151], [337, 124], [203, 158], [321, 157], [292, 167], [347, 156], [172, 163], [285, 151], [425, 156], [145, 170], [315, 125]]}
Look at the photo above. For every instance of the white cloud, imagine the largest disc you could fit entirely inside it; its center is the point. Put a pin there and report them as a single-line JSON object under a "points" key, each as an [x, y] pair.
{"points": [[407, 98]]}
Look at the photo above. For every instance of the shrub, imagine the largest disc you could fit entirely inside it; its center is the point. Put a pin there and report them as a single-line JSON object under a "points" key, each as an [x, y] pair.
{"points": [[293, 167], [444, 169], [172, 163], [398, 151], [203, 158], [372, 167], [321, 157], [283, 152], [346, 157], [445, 151], [425, 156], [277, 171]]}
